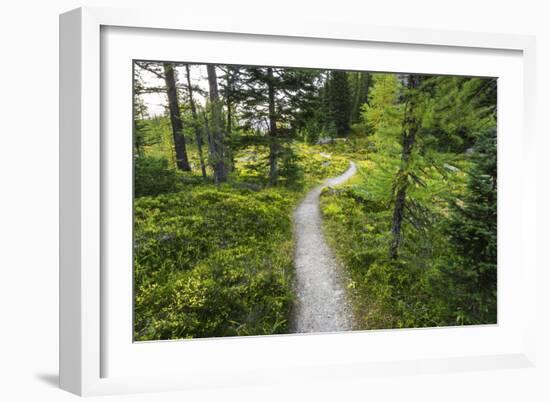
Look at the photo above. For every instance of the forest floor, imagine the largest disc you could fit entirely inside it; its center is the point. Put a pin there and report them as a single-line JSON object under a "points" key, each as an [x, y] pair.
{"points": [[322, 304]]}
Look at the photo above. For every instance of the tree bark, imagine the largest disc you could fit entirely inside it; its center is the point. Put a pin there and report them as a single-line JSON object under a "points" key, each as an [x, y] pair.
{"points": [[182, 161], [231, 71], [217, 146], [408, 138], [273, 144], [198, 137]]}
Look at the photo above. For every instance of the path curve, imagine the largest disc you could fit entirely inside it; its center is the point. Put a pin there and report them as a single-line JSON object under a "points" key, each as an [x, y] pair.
{"points": [[322, 304]]}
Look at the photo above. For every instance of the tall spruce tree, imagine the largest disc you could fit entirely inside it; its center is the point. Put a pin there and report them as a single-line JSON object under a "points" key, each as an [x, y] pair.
{"points": [[361, 85], [229, 82], [195, 121], [326, 121], [217, 141], [410, 129], [339, 96], [182, 161], [272, 101], [144, 137], [473, 233], [140, 112]]}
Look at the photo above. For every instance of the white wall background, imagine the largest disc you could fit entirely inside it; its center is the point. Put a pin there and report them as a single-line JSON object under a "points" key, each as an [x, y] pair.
{"points": [[29, 201]]}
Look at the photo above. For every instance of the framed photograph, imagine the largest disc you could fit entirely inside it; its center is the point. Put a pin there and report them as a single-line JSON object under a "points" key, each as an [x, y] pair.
{"points": [[242, 202]]}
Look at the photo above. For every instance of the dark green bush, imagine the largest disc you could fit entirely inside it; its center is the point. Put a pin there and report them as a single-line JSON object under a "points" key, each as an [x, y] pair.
{"points": [[153, 176]]}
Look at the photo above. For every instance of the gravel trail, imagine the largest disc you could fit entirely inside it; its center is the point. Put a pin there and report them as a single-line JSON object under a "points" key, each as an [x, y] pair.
{"points": [[322, 304]]}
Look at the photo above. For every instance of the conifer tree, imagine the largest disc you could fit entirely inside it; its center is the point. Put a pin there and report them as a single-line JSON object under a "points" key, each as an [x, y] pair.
{"points": [[409, 132], [325, 119], [473, 233], [217, 143], [182, 161], [230, 81], [195, 123], [140, 111], [361, 85], [272, 100], [339, 96], [382, 112]]}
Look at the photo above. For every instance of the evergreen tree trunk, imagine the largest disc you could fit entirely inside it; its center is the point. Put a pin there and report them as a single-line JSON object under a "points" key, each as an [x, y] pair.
{"points": [[198, 137], [175, 117], [408, 137], [355, 110], [273, 145], [207, 129], [229, 106], [138, 125], [139, 149], [325, 105], [217, 141], [138, 138]]}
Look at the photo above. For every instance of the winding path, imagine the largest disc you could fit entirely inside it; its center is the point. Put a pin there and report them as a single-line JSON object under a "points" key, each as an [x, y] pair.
{"points": [[322, 304]]}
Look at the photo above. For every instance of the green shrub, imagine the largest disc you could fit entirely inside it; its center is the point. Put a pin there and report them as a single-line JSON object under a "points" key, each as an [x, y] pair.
{"points": [[213, 262], [318, 163], [153, 177]]}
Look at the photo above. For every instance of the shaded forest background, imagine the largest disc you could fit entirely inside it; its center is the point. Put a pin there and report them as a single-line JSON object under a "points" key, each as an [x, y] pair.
{"points": [[219, 171]]}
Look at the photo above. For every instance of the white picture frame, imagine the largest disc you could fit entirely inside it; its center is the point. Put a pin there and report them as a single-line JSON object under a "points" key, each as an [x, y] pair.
{"points": [[89, 339]]}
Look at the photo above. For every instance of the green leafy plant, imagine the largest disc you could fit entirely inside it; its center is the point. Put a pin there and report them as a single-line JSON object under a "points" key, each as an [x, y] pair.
{"points": [[153, 177], [212, 262]]}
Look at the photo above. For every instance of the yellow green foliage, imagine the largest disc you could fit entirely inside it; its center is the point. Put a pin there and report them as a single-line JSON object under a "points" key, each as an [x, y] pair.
{"points": [[319, 163], [390, 294], [212, 262]]}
